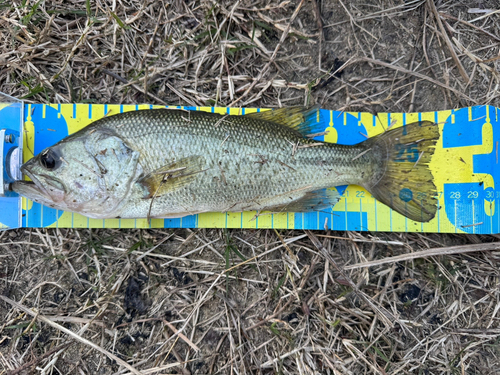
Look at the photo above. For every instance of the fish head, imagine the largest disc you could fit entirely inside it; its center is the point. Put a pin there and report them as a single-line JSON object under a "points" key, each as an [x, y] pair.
{"points": [[91, 173]]}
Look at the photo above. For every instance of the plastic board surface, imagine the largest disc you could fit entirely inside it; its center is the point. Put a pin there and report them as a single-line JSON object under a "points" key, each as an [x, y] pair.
{"points": [[465, 168], [11, 121]]}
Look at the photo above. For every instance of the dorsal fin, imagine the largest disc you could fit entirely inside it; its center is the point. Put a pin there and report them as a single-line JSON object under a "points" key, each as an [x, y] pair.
{"points": [[302, 119]]}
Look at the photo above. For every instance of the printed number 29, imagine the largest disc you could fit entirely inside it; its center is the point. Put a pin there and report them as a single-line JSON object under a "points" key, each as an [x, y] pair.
{"points": [[472, 194]]}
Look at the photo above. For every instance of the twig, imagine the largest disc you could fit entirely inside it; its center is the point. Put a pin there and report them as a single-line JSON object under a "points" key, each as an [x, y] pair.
{"points": [[447, 40], [114, 75], [470, 25], [428, 253]]}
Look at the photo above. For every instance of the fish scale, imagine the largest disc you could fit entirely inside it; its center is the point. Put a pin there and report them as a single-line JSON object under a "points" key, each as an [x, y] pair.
{"points": [[236, 177]]}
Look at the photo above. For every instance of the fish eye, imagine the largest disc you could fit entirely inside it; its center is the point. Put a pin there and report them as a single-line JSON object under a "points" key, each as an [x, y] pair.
{"points": [[48, 160]]}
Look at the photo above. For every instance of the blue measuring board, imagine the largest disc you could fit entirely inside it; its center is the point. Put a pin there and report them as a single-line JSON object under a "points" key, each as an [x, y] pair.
{"points": [[465, 168]]}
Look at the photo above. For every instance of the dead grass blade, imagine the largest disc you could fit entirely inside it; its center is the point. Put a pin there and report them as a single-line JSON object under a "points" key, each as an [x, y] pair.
{"points": [[447, 40], [463, 249]]}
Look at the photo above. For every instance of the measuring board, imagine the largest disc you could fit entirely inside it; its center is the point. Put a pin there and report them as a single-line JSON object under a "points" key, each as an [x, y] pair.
{"points": [[465, 167]]}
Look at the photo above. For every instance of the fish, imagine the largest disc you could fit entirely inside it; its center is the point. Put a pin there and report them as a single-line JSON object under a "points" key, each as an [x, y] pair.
{"points": [[169, 163]]}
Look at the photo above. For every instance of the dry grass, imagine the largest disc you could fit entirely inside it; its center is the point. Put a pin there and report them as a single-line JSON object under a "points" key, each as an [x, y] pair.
{"points": [[241, 302]]}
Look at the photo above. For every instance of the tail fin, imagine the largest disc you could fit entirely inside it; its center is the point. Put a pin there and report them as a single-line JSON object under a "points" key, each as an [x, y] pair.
{"points": [[405, 182]]}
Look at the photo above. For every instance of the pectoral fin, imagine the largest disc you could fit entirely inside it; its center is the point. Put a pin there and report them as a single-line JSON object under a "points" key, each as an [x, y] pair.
{"points": [[173, 176]]}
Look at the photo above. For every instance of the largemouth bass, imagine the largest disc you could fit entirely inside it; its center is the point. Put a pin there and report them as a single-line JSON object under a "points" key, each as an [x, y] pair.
{"points": [[162, 163]]}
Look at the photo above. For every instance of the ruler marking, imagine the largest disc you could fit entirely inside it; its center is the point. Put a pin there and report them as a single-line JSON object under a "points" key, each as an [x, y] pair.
{"points": [[473, 217], [361, 212], [345, 213], [439, 218], [406, 219], [491, 220], [456, 216]]}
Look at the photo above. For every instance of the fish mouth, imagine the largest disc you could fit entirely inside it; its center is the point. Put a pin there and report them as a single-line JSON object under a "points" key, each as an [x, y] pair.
{"points": [[30, 190], [38, 191]]}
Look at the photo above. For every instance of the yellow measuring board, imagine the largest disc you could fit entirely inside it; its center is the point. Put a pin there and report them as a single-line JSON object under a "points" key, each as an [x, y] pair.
{"points": [[465, 167]]}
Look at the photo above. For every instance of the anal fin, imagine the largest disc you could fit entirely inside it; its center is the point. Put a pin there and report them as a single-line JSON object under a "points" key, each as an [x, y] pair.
{"points": [[318, 200], [176, 215]]}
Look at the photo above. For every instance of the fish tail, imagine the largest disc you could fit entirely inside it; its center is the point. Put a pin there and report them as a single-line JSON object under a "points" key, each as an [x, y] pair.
{"points": [[402, 178]]}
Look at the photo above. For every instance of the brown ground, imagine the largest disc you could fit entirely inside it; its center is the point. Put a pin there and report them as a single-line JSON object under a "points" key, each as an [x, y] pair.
{"points": [[183, 301]]}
